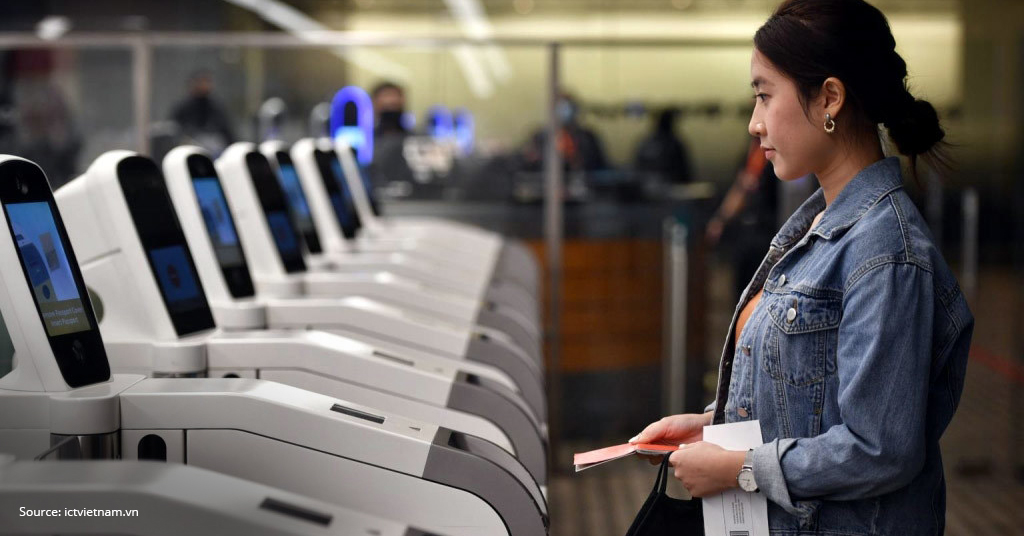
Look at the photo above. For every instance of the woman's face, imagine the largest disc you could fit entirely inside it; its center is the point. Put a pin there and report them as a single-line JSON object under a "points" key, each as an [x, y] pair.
{"points": [[794, 144]]}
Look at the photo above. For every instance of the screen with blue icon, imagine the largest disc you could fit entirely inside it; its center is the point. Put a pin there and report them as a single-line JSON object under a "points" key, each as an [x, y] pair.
{"points": [[219, 225], [178, 280], [46, 268]]}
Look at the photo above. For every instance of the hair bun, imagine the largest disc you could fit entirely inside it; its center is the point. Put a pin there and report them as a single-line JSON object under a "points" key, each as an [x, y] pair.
{"points": [[916, 129]]}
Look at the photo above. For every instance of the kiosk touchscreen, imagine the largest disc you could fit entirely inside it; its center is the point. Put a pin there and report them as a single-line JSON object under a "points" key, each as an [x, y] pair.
{"points": [[164, 245], [275, 209], [338, 193], [220, 227], [297, 204], [52, 273]]}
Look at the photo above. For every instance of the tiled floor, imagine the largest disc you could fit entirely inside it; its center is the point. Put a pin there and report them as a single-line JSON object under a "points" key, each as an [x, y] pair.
{"points": [[982, 455]]}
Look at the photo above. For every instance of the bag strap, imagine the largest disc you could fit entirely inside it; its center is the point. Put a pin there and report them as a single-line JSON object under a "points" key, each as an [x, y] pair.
{"points": [[661, 484]]}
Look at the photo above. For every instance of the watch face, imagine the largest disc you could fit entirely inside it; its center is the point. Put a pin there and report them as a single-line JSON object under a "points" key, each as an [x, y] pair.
{"points": [[746, 480]]}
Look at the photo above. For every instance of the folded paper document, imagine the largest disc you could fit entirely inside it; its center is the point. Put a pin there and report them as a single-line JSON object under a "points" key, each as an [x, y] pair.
{"points": [[586, 460]]}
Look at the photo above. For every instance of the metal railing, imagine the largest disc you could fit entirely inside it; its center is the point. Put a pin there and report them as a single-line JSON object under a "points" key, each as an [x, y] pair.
{"points": [[676, 274]]}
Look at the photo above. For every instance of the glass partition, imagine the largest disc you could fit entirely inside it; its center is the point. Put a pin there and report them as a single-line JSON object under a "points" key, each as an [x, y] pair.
{"points": [[62, 107]]}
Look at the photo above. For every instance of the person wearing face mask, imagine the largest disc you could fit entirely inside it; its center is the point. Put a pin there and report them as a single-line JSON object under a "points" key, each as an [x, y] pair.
{"points": [[849, 345], [389, 133], [580, 148], [201, 117], [388, 107]]}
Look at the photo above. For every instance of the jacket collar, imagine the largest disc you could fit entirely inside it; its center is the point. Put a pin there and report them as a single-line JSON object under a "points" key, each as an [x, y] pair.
{"points": [[864, 191]]}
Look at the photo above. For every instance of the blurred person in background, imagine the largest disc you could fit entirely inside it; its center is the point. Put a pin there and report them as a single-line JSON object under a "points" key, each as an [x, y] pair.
{"points": [[580, 148], [36, 120], [389, 135], [201, 117], [388, 108], [849, 345], [747, 216], [662, 154]]}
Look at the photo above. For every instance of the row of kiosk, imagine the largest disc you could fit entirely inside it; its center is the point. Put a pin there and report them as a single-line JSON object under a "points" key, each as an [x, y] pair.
{"points": [[261, 352]]}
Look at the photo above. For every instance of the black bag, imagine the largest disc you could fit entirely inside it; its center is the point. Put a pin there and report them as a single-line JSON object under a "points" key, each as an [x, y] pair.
{"points": [[662, 515]]}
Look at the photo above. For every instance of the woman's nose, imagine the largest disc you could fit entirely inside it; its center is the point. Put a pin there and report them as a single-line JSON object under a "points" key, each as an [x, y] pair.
{"points": [[756, 127]]}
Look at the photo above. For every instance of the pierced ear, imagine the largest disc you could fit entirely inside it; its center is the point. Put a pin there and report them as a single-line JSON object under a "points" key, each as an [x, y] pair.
{"points": [[833, 93]]}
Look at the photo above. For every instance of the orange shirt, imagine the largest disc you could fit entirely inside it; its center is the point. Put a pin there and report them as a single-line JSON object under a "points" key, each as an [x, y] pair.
{"points": [[752, 304], [745, 315]]}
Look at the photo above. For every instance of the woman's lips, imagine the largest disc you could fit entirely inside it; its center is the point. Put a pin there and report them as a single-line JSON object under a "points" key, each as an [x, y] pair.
{"points": [[769, 153]]}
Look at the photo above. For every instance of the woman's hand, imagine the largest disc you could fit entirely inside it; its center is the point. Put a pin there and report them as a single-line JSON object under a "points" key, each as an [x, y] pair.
{"points": [[706, 469], [673, 430]]}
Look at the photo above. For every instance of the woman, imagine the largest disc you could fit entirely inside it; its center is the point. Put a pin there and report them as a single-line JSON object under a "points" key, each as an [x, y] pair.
{"points": [[850, 344]]}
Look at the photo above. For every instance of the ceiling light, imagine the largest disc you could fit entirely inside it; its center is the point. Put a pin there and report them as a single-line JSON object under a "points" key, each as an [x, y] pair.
{"points": [[53, 27]]}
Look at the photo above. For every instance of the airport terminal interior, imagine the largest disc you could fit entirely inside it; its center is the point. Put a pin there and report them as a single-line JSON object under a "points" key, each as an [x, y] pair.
{"points": [[382, 267]]}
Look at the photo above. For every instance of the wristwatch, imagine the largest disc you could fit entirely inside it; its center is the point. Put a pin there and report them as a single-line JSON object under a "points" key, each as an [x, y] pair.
{"points": [[745, 478]]}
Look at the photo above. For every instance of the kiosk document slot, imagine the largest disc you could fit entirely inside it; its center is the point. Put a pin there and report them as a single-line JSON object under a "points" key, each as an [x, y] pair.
{"points": [[292, 439]]}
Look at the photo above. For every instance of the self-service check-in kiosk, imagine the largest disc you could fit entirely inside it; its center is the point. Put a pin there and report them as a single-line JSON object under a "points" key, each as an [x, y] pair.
{"points": [[514, 309], [462, 395], [177, 341], [389, 288], [255, 196], [349, 127], [336, 213], [310, 444]]}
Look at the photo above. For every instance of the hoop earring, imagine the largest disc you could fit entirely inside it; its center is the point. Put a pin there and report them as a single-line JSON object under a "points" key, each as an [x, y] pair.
{"points": [[830, 124]]}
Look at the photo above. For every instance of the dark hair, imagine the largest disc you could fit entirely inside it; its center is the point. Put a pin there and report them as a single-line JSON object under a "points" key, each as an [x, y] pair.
{"points": [[385, 86], [812, 40]]}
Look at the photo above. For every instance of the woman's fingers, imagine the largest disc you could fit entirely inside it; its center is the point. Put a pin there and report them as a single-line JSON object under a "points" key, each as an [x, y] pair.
{"points": [[653, 432]]}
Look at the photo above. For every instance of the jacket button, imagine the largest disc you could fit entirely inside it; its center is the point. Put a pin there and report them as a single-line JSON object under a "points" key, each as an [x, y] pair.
{"points": [[782, 280], [742, 412], [746, 349], [791, 315]]}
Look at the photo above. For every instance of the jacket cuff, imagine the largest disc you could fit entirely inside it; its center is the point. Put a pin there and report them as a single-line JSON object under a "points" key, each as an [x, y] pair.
{"points": [[711, 406], [767, 465]]}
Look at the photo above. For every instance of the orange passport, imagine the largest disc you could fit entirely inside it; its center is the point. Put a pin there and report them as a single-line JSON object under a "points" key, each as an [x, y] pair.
{"points": [[586, 460]]}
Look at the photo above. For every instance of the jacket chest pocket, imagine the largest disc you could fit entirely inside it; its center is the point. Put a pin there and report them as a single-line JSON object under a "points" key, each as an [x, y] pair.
{"points": [[801, 341]]}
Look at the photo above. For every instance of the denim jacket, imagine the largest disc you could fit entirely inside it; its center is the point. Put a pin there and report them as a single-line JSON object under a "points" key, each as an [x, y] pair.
{"points": [[853, 361]]}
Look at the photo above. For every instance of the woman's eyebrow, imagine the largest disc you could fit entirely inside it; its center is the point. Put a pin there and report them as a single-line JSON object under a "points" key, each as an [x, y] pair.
{"points": [[758, 82]]}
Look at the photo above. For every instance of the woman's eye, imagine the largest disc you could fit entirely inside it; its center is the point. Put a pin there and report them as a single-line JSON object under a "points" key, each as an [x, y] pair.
{"points": [[761, 96]]}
